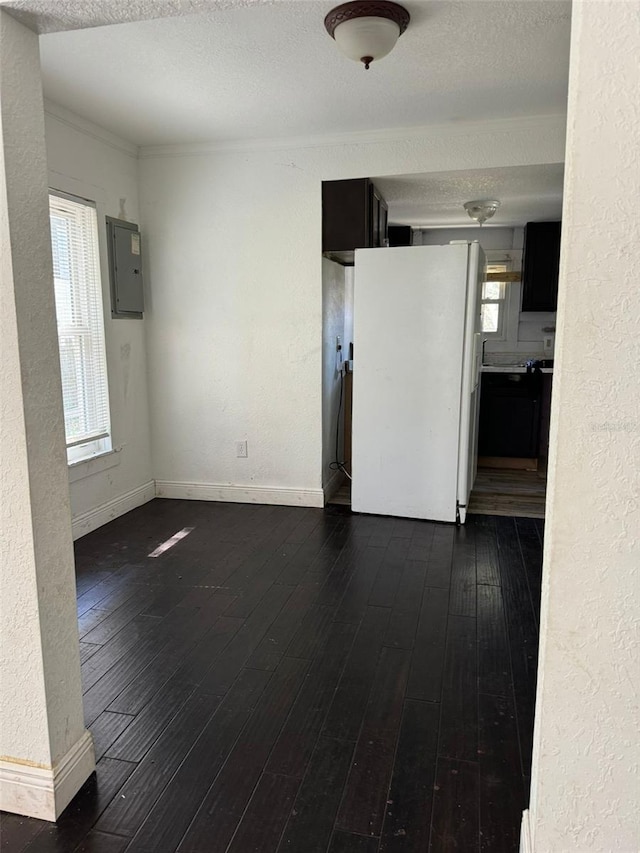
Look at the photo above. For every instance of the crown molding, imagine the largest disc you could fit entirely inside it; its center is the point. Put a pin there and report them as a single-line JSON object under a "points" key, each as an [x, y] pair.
{"points": [[95, 131], [552, 123]]}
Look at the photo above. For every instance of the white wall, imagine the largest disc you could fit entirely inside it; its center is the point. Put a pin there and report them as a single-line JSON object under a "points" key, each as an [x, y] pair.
{"points": [[235, 320], [490, 238], [584, 790], [90, 162], [45, 753], [333, 326]]}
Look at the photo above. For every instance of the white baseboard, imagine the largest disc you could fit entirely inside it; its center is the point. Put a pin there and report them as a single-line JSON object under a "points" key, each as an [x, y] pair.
{"points": [[94, 518], [43, 792], [525, 834], [333, 485], [239, 494]]}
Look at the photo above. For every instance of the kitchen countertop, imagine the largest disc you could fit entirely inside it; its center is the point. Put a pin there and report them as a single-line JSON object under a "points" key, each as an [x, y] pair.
{"points": [[510, 368]]}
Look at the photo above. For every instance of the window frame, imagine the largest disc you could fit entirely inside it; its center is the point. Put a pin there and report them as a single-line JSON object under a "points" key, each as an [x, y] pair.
{"points": [[79, 452], [503, 302]]}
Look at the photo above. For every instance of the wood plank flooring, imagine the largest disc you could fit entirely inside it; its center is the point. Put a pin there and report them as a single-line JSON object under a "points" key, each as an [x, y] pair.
{"points": [[343, 496], [497, 491], [508, 492], [302, 680]]}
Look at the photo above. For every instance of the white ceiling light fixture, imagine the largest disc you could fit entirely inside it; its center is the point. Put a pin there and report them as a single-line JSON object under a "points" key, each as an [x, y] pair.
{"points": [[367, 31], [481, 210]]}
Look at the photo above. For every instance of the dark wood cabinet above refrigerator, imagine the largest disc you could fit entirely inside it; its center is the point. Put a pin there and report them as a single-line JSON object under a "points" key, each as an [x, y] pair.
{"points": [[354, 216]]}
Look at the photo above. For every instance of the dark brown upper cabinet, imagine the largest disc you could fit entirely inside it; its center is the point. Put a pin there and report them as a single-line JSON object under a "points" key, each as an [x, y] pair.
{"points": [[380, 220], [541, 263], [354, 216], [400, 235]]}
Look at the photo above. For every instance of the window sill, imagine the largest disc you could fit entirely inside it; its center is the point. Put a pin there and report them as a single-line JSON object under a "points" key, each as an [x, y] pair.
{"points": [[94, 465]]}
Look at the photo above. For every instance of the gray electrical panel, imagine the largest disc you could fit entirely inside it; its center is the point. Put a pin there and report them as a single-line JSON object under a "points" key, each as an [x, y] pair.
{"points": [[125, 268]]}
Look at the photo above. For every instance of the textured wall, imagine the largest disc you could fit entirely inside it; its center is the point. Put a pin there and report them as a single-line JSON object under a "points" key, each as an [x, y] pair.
{"points": [[41, 702], [86, 161], [585, 773], [235, 320]]}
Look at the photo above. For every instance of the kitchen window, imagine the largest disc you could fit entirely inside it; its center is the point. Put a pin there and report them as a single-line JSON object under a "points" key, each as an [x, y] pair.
{"points": [[494, 300], [78, 296]]}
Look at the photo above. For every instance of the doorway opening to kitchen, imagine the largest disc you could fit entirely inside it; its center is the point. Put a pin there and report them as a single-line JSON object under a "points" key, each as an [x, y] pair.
{"points": [[518, 315]]}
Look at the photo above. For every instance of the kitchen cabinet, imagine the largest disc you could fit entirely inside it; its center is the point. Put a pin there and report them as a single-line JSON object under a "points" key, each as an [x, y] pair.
{"points": [[400, 235], [541, 263], [380, 213], [510, 405], [354, 216], [545, 422]]}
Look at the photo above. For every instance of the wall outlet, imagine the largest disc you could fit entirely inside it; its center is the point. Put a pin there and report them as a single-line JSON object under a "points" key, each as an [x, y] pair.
{"points": [[242, 449], [548, 343]]}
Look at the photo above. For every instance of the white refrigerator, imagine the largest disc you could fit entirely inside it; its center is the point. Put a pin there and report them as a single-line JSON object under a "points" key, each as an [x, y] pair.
{"points": [[416, 371]]}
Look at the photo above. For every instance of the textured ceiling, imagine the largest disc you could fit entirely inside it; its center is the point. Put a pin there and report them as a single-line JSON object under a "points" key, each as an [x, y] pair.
{"points": [[52, 16], [183, 71], [246, 70], [526, 194]]}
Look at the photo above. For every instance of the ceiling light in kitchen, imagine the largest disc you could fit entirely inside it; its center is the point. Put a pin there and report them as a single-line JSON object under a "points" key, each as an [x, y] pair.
{"points": [[481, 210], [367, 31]]}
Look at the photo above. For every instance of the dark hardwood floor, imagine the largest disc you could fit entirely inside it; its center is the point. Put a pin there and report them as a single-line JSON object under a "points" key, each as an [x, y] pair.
{"points": [[290, 679]]}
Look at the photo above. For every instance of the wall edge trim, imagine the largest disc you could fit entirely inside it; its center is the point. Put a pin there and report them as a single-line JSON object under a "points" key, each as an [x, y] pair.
{"points": [[525, 834], [88, 521], [227, 493], [554, 121], [45, 792]]}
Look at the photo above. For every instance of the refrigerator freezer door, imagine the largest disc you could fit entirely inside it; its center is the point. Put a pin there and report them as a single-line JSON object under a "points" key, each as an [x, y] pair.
{"points": [[470, 399], [409, 317]]}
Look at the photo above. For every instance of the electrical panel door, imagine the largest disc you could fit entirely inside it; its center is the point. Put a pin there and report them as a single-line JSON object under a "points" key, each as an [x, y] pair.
{"points": [[125, 268]]}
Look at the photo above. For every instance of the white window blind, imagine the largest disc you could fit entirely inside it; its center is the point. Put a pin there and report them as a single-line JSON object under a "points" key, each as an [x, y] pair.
{"points": [[78, 293]]}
